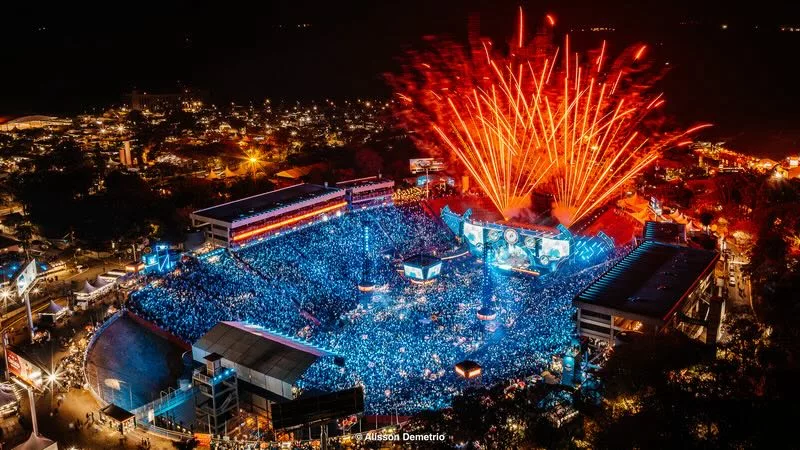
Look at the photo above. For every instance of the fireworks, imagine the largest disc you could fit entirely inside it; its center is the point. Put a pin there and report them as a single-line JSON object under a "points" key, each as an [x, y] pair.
{"points": [[537, 117]]}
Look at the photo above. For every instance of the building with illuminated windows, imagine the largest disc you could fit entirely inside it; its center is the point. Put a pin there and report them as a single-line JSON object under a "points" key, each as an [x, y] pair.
{"points": [[658, 286], [367, 192], [261, 216]]}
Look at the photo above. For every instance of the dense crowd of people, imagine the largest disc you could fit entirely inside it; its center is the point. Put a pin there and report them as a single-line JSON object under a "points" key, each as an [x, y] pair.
{"points": [[400, 341]]}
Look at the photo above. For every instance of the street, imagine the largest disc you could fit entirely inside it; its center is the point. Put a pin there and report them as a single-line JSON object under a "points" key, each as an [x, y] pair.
{"points": [[71, 407]]}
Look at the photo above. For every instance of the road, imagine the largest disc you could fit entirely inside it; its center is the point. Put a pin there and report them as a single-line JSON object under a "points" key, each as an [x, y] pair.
{"points": [[740, 293], [59, 422]]}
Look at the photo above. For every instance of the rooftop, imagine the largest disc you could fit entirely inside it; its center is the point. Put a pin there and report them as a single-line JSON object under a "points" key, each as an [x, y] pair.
{"points": [[261, 203], [651, 280], [665, 232], [211, 357], [421, 260], [6, 242], [115, 412], [261, 350], [361, 182]]}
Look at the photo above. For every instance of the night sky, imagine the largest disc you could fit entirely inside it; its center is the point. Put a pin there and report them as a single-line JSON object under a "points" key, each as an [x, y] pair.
{"points": [[74, 56]]}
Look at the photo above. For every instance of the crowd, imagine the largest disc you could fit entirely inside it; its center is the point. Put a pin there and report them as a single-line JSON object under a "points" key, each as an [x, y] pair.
{"points": [[402, 340]]}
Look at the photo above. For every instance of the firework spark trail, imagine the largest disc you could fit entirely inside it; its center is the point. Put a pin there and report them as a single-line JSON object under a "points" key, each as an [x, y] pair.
{"points": [[538, 119]]}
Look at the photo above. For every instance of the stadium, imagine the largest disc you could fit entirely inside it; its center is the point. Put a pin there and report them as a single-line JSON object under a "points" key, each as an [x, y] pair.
{"points": [[299, 275]]}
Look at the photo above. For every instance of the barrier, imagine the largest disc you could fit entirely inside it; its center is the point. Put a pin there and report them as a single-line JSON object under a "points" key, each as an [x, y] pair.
{"points": [[176, 436], [159, 331], [89, 346], [163, 404]]}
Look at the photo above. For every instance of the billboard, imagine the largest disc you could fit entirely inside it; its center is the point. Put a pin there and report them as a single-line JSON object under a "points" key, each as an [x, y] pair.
{"points": [[419, 165], [24, 370], [26, 278], [655, 205]]}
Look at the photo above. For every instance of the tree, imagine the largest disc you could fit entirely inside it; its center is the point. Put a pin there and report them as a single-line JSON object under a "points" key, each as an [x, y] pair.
{"points": [[13, 220], [368, 161], [25, 234]]}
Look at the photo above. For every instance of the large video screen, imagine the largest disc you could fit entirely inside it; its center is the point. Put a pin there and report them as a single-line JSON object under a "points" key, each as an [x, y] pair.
{"points": [[413, 272], [554, 248], [473, 234], [435, 270]]}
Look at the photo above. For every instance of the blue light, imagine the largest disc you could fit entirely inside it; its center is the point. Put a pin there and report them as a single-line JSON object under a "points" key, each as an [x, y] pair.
{"points": [[394, 338]]}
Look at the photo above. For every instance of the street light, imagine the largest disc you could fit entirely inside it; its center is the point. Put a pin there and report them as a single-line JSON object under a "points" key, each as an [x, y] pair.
{"points": [[53, 379]]}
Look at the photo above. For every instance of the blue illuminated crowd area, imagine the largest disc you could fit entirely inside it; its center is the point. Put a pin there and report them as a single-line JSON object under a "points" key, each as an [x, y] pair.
{"points": [[400, 341]]}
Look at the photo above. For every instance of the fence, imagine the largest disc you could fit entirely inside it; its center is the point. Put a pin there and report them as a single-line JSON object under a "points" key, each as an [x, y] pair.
{"points": [[92, 340]]}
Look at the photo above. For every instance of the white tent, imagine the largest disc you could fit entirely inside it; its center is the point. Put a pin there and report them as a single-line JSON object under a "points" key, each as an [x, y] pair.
{"points": [[102, 282], [86, 291], [53, 312], [92, 290]]}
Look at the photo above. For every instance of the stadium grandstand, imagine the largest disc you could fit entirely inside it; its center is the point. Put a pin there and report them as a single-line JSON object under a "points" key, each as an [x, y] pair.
{"points": [[366, 192], [32, 122], [250, 219]]}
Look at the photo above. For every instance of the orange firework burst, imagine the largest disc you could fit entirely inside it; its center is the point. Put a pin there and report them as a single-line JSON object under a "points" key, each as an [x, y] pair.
{"points": [[537, 117]]}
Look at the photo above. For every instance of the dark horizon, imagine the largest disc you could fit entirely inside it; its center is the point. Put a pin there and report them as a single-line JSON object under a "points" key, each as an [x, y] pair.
{"points": [[69, 59]]}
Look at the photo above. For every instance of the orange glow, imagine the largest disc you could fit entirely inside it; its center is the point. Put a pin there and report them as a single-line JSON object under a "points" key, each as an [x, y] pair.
{"points": [[557, 124], [473, 373], [521, 27], [525, 271], [640, 52], [282, 223], [551, 20], [697, 128]]}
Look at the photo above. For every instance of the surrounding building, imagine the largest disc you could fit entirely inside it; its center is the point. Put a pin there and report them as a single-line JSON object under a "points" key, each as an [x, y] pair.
{"points": [[657, 286], [365, 192], [670, 232], [125, 154], [266, 363], [216, 398], [31, 122]]}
